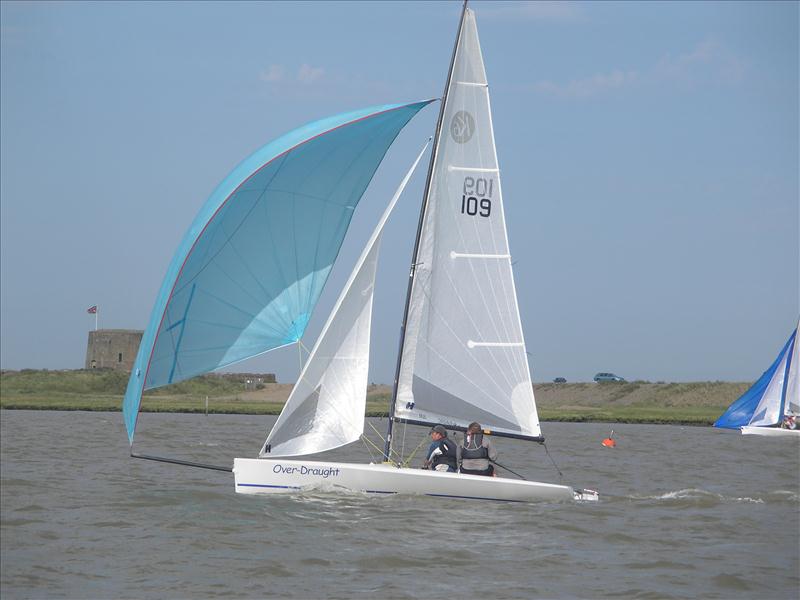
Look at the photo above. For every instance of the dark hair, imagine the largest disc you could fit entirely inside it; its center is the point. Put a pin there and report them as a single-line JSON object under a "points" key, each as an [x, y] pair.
{"points": [[474, 427]]}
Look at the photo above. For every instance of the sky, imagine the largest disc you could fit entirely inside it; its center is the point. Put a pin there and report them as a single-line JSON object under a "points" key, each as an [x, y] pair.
{"points": [[648, 154]]}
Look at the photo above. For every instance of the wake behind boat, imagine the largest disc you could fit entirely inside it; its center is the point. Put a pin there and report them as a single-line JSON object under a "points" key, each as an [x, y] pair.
{"points": [[771, 405], [233, 292]]}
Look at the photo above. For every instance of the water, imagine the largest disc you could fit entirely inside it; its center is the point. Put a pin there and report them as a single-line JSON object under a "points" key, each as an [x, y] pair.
{"points": [[684, 513]]}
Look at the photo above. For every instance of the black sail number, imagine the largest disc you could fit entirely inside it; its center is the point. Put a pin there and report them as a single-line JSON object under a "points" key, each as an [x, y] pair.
{"points": [[477, 197]]}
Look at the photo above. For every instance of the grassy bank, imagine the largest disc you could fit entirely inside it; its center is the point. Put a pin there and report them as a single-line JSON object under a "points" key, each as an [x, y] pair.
{"points": [[102, 390]]}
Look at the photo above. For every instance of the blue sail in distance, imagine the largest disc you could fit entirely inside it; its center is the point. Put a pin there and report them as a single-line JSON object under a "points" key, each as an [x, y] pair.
{"points": [[249, 271], [745, 410]]}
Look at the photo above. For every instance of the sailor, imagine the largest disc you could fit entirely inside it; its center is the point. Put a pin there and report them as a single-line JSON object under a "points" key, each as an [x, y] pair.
{"points": [[477, 452], [789, 422], [442, 453]]}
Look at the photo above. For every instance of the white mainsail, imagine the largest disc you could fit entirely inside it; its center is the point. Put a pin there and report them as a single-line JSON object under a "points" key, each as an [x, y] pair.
{"points": [[463, 356], [768, 410], [791, 405], [326, 407]]}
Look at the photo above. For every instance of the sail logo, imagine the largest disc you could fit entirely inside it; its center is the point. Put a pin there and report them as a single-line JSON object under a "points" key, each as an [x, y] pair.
{"points": [[462, 126]]}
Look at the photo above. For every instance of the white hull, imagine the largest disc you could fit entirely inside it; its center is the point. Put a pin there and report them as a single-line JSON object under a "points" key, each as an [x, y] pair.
{"points": [[771, 431], [269, 476]]}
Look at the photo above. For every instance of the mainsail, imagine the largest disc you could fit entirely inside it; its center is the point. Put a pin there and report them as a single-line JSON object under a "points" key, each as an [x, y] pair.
{"points": [[326, 407], [775, 394], [463, 356], [249, 271]]}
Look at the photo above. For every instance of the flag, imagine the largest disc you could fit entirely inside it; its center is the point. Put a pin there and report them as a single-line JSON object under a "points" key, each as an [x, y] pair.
{"points": [[92, 310]]}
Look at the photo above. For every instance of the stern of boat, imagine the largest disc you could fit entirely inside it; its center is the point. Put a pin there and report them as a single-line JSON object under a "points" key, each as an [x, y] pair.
{"points": [[586, 495]]}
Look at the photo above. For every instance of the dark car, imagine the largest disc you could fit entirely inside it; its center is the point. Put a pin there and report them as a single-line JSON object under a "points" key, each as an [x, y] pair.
{"points": [[559, 380], [607, 377]]}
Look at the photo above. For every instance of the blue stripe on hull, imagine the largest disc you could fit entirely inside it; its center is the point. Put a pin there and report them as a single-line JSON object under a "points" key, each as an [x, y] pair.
{"points": [[294, 487]]}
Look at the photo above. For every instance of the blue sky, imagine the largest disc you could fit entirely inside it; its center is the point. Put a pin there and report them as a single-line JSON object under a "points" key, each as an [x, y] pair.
{"points": [[649, 157]]}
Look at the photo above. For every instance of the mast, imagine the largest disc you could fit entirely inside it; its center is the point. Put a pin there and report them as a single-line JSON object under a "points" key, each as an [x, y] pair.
{"points": [[423, 208]]}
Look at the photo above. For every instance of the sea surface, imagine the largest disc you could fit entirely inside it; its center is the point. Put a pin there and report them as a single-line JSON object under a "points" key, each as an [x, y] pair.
{"points": [[685, 512]]}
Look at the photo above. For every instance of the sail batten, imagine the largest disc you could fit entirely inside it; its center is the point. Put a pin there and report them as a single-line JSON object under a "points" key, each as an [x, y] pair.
{"points": [[250, 269]]}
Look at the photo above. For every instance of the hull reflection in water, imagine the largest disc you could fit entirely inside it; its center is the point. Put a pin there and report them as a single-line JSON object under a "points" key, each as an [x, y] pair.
{"points": [[262, 476]]}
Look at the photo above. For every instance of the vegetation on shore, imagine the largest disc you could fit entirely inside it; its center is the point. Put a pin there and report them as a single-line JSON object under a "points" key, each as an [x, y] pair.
{"points": [[697, 403]]}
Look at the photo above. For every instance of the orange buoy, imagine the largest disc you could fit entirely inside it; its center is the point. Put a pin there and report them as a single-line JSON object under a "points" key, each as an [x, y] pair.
{"points": [[610, 442]]}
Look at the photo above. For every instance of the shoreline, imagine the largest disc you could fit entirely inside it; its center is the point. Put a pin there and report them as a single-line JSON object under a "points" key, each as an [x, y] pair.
{"points": [[546, 417], [644, 402]]}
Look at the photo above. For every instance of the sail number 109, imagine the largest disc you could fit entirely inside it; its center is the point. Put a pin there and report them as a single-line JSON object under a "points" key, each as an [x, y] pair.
{"points": [[477, 197]]}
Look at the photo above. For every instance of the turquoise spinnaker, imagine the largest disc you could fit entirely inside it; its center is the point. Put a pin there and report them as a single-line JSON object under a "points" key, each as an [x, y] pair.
{"points": [[248, 273]]}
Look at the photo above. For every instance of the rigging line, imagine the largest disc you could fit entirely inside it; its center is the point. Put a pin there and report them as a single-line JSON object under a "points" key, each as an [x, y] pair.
{"points": [[363, 439], [371, 443], [560, 474], [380, 436], [507, 469], [398, 462], [407, 461], [403, 443]]}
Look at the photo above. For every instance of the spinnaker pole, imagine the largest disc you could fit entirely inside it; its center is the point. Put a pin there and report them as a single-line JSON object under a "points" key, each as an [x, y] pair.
{"points": [[434, 152]]}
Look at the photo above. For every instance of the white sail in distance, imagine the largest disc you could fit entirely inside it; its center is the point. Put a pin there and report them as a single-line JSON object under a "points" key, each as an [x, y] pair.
{"points": [[463, 356], [325, 409]]}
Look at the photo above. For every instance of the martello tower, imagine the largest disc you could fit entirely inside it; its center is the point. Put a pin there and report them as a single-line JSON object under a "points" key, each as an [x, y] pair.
{"points": [[112, 349]]}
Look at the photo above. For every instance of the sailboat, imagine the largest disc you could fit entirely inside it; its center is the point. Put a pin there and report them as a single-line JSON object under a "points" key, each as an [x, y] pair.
{"points": [[462, 354], [771, 405]]}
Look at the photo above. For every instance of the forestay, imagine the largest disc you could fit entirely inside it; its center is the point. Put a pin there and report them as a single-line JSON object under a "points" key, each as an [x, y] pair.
{"points": [[250, 270], [463, 357], [326, 407]]}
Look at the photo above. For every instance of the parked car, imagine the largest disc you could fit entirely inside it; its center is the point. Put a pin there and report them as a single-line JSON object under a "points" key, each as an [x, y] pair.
{"points": [[607, 377], [559, 380]]}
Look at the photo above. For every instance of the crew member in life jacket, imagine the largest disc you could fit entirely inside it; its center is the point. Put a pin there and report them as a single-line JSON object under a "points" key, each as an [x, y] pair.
{"points": [[442, 453], [476, 452]]}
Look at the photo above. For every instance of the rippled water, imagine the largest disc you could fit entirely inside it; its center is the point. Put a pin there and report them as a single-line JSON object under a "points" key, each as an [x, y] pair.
{"points": [[684, 513]]}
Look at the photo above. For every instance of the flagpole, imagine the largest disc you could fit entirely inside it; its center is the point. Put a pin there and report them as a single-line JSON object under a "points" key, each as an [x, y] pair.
{"points": [[96, 312]]}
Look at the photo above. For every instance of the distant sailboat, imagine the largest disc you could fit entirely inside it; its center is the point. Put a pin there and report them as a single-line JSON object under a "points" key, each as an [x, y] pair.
{"points": [[462, 354], [772, 403]]}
